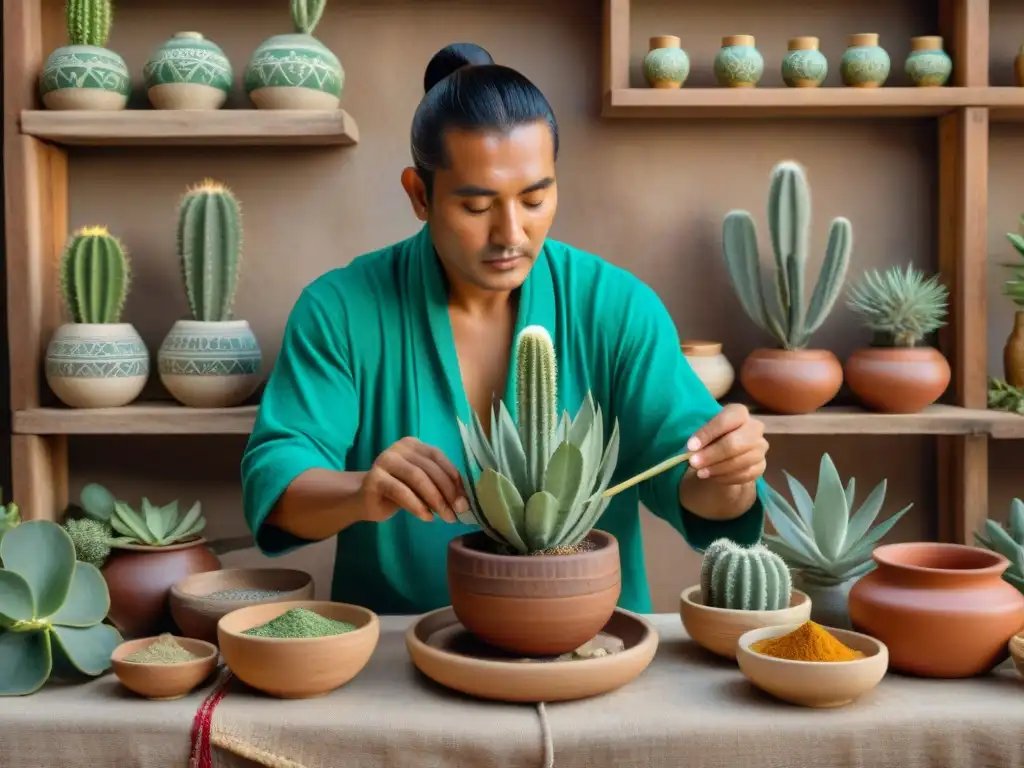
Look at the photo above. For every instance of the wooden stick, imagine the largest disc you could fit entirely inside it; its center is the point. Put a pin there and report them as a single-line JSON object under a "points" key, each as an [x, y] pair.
{"points": [[657, 469]]}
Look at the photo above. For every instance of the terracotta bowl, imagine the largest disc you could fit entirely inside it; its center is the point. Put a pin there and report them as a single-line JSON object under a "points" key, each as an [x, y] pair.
{"points": [[196, 615], [814, 683], [719, 629], [163, 682], [297, 668]]}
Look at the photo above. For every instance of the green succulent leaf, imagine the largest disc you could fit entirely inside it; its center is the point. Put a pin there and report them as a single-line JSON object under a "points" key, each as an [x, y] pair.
{"points": [[1017, 521], [564, 474], [865, 516], [88, 600], [189, 525], [802, 499], [25, 662], [851, 493], [792, 532], [127, 522], [831, 517], [543, 513], [157, 518], [791, 554], [513, 456], [87, 649], [42, 553], [866, 545], [97, 502], [1004, 544], [16, 603], [503, 507]]}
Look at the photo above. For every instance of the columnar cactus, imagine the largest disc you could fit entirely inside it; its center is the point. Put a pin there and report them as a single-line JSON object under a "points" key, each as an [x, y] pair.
{"points": [[306, 15], [747, 579], [94, 276], [88, 22], [210, 247], [536, 400], [789, 219]]}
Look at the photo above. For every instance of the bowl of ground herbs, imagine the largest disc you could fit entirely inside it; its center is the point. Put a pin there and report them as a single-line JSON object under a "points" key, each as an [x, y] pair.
{"points": [[163, 667], [298, 649], [812, 665]]}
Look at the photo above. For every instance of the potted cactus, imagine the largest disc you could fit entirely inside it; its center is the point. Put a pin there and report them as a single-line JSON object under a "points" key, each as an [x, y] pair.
{"points": [[96, 361], [212, 360], [52, 610], [1008, 543], [1013, 351], [790, 378], [537, 579], [296, 71], [85, 74], [897, 373], [827, 547]]}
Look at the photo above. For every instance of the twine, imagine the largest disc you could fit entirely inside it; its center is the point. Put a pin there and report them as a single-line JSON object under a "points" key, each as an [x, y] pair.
{"points": [[545, 732], [201, 756]]}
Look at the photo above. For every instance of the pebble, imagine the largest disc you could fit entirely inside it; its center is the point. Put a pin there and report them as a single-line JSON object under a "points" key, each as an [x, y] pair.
{"points": [[241, 593]]}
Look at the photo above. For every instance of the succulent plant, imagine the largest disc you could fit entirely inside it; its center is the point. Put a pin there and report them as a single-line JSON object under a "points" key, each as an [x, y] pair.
{"points": [[744, 578], [1009, 544], [789, 219], [900, 306], [94, 276], [52, 608], [1014, 285], [10, 516], [97, 502], [88, 21], [819, 538], [541, 481], [1003, 396], [210, 248], [306, 15], [155, 526], [91, 539]]}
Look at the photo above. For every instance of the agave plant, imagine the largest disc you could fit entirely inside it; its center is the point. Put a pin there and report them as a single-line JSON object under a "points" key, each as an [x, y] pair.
{"points": [[541, 482], [52, 609], [900, 306], [155, 526], [10, 516], [819, 537], [1009, 544]]}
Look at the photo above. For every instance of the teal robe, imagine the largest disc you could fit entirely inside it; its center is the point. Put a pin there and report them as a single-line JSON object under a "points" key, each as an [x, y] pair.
{"points": [[368, 357]]}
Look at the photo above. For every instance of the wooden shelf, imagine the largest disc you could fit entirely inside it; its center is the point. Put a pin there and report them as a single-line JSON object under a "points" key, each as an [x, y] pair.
{"points": [[1007, 105], [224, 127]]}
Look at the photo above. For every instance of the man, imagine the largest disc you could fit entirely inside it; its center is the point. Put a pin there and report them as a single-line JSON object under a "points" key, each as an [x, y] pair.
{"points": [[357, 433]]}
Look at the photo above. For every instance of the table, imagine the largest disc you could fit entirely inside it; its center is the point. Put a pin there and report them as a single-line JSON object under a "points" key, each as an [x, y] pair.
{"points": [[687, 709]]}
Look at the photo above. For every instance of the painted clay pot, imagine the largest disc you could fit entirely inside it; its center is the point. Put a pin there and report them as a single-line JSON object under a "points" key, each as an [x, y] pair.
{"points": [[829, 602], [865, 64], [188, 72], [927, 65], [943, 610], [1013, 353], [1018, 67], [804, 66], [738, 64], [897, 379], [666, 64], [97, 365], [294, 71], [210, 364], [85, 77], [711, 366], [140, 578], [791, 381], [534, 605]]}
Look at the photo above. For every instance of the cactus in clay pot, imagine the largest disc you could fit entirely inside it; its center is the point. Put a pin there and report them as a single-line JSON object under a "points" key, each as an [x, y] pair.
{"points": [[744, 578], [94, 276]]}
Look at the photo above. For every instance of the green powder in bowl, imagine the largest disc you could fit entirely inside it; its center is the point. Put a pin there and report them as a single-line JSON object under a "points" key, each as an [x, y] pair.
{"points": [[164, 650], [300, 623]]}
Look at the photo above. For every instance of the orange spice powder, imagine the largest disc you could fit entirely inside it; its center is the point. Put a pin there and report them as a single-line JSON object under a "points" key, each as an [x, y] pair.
{"points": [[808, 642]]}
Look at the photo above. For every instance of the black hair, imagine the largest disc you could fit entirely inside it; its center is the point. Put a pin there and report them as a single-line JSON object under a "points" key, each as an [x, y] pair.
{"points": [[464, 88]]}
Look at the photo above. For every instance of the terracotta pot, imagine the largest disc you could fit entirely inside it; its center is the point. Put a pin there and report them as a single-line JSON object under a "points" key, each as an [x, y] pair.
{"points": [[791, 380], [1013, 353], [140, 579], [943, 610], [897, 379], [711, 366], [534, 605]]}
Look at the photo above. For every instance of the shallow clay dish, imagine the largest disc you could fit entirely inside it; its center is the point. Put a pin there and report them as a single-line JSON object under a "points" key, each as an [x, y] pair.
{"points": [[297, 668], [719, 629], [443, 650], [197, 616], [163, 682], [814, 683]]}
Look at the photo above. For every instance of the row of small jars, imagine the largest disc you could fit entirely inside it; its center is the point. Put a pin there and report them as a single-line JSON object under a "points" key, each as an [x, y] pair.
{"points": [[738, 64]]}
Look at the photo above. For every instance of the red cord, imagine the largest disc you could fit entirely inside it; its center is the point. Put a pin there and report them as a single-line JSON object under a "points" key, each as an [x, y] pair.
{"points": [[202, 756]]}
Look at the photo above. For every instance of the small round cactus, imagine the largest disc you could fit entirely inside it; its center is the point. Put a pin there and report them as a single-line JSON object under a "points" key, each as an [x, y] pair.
{"points": [[94, 276], [746, 579]]}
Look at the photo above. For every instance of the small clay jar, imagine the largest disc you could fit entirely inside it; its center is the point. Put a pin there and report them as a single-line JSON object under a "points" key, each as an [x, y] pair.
{"points": [[1013, 353], [791, 381], [897, 379], [1018, 68], [738, 63], [666, 64], [711, 366], [865, 64], [804, 66], [927, 65]]}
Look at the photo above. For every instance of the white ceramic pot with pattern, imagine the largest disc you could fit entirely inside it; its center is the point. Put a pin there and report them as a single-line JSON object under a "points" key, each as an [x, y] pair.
{"points": [[210, 364], [97, 365]]}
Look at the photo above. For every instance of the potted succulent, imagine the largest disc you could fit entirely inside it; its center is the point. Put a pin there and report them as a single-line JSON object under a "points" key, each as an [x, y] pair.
{"points": [[1008, 543], [85, 74], [10, 516], [96, 361], [52, 610], [537, 579], [296, 71], [790, 378], [212, 360], [188, 72], [897, 373], [828, 548], [1013, 351]]}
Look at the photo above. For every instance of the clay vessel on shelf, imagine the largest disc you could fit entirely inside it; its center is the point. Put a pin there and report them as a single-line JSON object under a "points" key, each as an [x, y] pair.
{"points": [[927, 65], [943, 610], [897, 379], [804, 66], [1013, 352], [534, 605], [711, 366], [666, 64], [865, 64], [791, 381], [738, 63]]}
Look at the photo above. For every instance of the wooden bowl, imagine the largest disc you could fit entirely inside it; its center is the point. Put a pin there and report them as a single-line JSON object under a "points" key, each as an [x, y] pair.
{"points": [[814, 683], [1016, 645], [719, 629], [197, 615], [297, 668], [163, 682]]}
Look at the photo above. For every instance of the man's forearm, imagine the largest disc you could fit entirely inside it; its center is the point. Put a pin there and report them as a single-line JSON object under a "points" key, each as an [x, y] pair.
{"points": [[318, 504], [714, 501]]}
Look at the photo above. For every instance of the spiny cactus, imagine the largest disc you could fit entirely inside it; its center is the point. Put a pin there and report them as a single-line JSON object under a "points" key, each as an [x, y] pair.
{"points": [[306, 15], [789, 219], [900, 306], [747, 579], [210, 247], [91, 539], [536, 400], [88, 22], [94, 276]]}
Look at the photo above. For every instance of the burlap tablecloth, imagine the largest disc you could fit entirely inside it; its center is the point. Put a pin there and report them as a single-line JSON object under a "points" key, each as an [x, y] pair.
{"points": [[687, 709]]}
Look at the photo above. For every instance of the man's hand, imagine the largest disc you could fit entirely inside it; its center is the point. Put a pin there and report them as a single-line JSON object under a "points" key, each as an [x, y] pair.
{"points": [[730, 449], [413, 476]]}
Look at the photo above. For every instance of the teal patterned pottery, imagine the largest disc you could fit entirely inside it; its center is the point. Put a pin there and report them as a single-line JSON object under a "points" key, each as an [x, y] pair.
{"points": [[96, 365], [738, 64], [210, 364], [927, 65], [865, 64], [188, 72], [666, 64], [804, 66], [85, 77], [294, 71]]}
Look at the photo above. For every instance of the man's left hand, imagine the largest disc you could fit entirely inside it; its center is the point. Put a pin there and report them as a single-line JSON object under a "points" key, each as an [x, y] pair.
{"points": [[730, 449]]}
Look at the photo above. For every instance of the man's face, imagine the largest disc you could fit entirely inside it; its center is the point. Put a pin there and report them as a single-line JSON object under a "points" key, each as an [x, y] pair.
{"points": [[493, 205]]}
